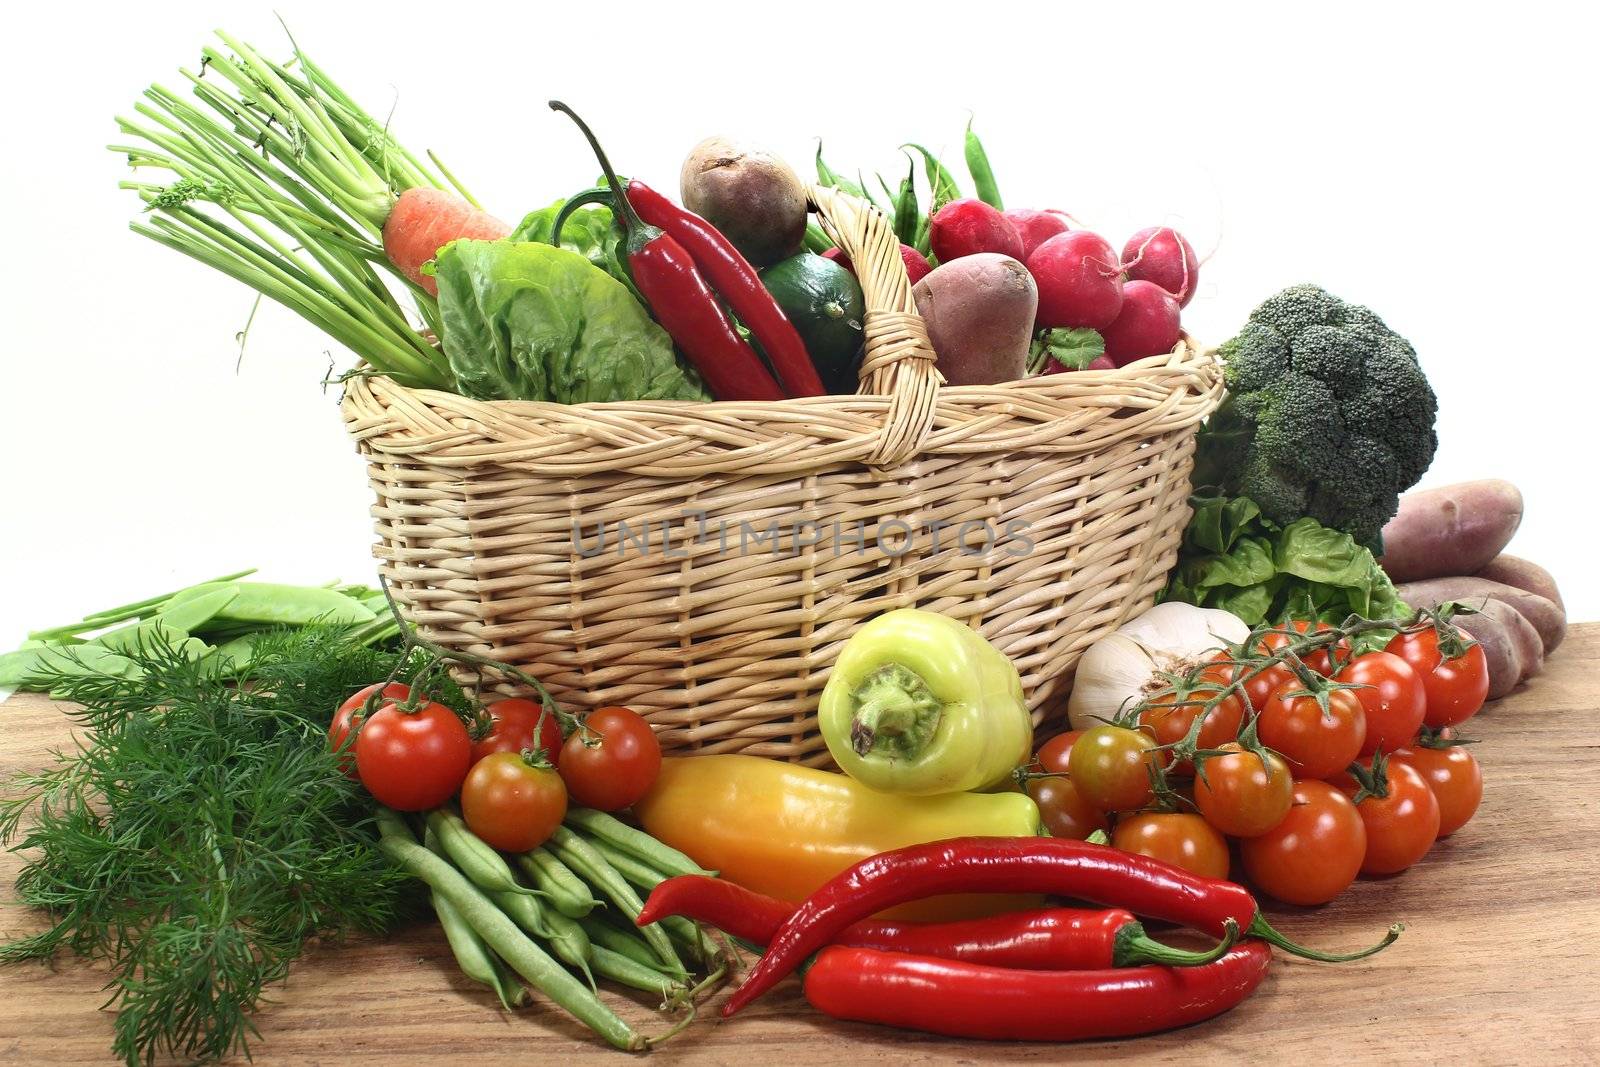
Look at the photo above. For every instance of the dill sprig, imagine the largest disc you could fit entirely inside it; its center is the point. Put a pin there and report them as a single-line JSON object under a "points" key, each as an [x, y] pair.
{"points": [[198, 833]]}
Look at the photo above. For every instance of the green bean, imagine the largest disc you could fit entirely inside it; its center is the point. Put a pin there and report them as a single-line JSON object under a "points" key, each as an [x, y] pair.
{"points": [[634, 842], [567, 892], [477, 860], [502, 935], [474, 957], [907, 212], [940, 180], [817, 239], [638, 873], [983, 182], [603, 934], [293, 605], [589, 865], [628, 971], [568, 940]]}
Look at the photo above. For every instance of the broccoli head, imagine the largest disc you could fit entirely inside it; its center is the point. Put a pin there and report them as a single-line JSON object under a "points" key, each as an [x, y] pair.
{"points": [[1328, 415]]}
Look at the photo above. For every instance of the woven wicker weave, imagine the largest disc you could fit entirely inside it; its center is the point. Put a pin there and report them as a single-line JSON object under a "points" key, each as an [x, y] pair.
{"points": [[490, 515]]}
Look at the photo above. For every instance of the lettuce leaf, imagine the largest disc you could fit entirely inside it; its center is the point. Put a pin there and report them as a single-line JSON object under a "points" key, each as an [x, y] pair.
{"points": [[528, 321], [588, 231]]}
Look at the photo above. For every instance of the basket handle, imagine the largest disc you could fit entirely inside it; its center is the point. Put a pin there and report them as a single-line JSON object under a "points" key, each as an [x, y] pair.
{"points": [[899, 362]]}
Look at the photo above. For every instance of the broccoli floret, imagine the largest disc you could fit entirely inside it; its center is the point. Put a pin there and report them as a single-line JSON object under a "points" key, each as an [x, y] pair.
{"points": [[1328, 414]]}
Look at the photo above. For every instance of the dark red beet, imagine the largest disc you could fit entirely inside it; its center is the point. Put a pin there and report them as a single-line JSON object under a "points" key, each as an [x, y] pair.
{"points": [[1036, 227], [917, 265], [966, 227], [1146, 326], [1160, 254], [1079, 279]]}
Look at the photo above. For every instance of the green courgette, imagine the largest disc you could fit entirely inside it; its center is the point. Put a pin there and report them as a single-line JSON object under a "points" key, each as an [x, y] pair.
{"points": [[824, 302]]}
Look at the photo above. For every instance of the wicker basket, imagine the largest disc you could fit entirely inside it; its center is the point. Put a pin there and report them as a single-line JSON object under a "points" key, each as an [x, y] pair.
{"points": [[624, 553]]}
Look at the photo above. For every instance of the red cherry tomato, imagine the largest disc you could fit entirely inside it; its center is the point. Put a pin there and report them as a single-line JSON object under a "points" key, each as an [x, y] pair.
{"points": [[613, 761], [413, 761], [347, 721], [512, 804], [1401, 826], [1169, 717], [1317, 744], [1242, 794], [1314, 853], [1062, 809], [1456, 687], [1455, 778], [1109, 765], [1185, 841], [1319, 660], [1392, 698], [515, 726], [1260, 687], [1052, 755]]}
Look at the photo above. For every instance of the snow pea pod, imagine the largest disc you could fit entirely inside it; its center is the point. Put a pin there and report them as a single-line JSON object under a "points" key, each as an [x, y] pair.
{"points": [[140, 636], [292, 605], [190, 613]]}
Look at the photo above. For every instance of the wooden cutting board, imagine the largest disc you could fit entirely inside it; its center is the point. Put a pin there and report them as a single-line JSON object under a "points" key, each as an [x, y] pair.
{"points": [[1500, 962]]}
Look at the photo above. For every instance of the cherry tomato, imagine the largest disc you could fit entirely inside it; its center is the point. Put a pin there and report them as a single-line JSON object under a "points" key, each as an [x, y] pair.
{"points": [[512, 804], [1242, 794], [347, 720], [613, 761], [1186, 841], [1456, 687], [1109, 765], [1052, 755], [1319, 660], [1169, 718], [1401, 826], [1062, 808], [1317, 744], [1393, 699], [1314, 853], [1455, 778], [1260, 687], [413, 761], [515, 727]]}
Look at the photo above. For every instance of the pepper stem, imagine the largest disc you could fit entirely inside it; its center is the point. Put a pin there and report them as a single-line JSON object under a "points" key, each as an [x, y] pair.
{"points": [[895, 713], [1259, 927], [623, 208], [1135, 948]]}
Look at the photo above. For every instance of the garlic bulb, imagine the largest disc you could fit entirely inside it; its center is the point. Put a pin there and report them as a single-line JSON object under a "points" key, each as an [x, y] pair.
{"points": [[1123, 667]]}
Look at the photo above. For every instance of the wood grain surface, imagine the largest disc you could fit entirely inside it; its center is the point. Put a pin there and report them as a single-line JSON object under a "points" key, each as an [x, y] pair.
{"points": [[1498, 964]]}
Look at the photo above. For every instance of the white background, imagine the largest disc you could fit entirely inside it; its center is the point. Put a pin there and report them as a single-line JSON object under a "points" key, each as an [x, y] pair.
{"points": [[1436, 166]]}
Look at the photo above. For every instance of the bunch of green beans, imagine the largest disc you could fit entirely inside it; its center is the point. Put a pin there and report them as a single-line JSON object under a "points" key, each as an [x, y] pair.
{"points": [[568, 920]]}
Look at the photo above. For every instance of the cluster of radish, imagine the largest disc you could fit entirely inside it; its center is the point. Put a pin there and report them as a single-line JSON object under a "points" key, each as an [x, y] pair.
{"points": [[1134, 300]]}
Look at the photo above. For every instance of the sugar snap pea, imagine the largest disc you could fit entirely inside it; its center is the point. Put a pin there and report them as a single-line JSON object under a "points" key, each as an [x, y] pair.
{"points": [[566, 891], [477, 860], [618, 834], [502, 935], [589, 865]]}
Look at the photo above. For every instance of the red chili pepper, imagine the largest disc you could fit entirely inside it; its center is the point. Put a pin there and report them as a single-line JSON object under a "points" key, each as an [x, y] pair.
{"points": [[972, 1000], [1039, 939], [683, 303], [733, 277], [1013, 865]]}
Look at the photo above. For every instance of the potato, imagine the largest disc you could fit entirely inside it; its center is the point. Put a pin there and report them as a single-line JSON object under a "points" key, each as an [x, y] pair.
{"points": [[1501, 649], [1547, 618], [753, 197], [1455, 529], [1512, 570], [979, 310]]}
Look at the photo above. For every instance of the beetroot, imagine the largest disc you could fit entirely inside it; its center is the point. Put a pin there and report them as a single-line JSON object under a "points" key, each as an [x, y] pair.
{"points": [[1036, 227], [1160, 254], [966, 227], [1079, 278], [917, 265], [1146, 326]]}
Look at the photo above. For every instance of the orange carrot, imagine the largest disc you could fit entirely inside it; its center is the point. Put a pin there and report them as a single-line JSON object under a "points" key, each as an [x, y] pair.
{"points": [[423, 221]]}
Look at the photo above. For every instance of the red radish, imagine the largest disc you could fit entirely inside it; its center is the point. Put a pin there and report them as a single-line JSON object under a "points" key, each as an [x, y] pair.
{"points": [[1102, 363], [1160, 254], [967, 226], [1055, 366], [1036, 227], [1146, 326], [1079, 278], [423, 221], [917, 265]]}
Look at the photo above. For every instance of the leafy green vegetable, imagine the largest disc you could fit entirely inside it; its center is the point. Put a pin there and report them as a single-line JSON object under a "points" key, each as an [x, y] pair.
{"points": [[1235, 558], [589, 231], [1072, 347], [528, 321], [200, 833]]}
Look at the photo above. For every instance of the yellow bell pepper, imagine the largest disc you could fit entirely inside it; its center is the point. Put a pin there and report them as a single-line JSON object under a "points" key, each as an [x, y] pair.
{"points": [[919, 703], [784, 830]]}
